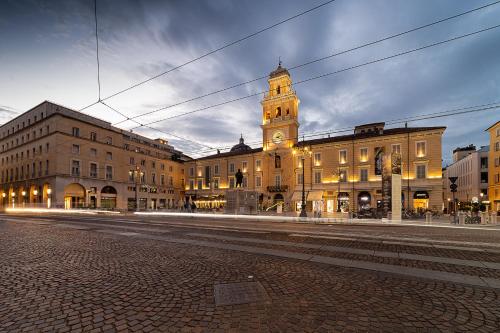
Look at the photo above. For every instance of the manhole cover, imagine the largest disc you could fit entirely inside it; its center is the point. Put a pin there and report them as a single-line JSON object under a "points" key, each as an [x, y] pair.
{"points": [[239, 293]]}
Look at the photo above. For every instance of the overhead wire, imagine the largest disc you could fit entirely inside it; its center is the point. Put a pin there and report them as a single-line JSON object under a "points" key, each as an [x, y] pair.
{"points": [[326, 74], [313, 61], [212, 52]]}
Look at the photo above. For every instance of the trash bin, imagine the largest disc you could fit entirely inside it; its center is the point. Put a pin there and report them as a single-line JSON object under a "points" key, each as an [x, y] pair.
{"points": [[428, 217]]}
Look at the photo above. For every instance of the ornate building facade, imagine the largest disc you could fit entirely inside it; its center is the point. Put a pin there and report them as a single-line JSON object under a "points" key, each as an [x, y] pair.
{"points": [[494, 166], [341, 173]]}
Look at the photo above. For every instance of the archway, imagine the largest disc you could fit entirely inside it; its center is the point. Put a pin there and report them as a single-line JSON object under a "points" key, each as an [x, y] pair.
{"points": [[108, 197], [74, 196], [420, 200], [364, 200], [343, 202]]}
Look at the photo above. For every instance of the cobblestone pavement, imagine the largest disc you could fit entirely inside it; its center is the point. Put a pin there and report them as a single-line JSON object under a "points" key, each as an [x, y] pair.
{"points": [[62, 274]]}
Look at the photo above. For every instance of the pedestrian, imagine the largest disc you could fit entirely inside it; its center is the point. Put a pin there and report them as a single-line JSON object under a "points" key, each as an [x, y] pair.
{"points": [[193, 206]]}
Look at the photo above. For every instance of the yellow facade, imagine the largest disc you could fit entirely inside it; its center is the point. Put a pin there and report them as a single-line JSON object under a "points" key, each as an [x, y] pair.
{"points": [[494, 167], [275, 169], [52, 153]]}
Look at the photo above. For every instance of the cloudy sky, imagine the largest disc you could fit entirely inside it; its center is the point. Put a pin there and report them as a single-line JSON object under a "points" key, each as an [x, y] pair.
{"points": [[47, 52]]}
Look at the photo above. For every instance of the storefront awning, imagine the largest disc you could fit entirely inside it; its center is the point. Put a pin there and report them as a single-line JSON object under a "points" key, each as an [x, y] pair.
{"points": [[297, 196], [315, 196]]}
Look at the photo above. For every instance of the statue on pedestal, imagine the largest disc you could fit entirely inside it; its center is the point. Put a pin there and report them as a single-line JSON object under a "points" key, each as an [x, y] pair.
{"points": [[239, 178]]}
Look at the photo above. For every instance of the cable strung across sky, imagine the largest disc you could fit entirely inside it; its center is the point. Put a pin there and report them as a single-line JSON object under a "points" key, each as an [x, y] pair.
{"points": [[327, 74], [208, 53], [311, 61]]}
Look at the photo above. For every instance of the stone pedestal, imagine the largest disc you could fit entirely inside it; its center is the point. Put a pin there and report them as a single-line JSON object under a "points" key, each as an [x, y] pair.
{"points": [[396, 198], [241, 201], [428, 217], [461, 218]]}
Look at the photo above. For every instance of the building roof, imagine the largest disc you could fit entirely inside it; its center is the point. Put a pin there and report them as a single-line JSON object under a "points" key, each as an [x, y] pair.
{"points": [[241, 146], [495, 124], [279, 72], [466, 148], [390, 131], [230, 154]]}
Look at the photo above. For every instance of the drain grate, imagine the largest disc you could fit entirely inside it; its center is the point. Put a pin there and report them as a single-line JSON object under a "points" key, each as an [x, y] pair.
{"points": [[239, 293]]}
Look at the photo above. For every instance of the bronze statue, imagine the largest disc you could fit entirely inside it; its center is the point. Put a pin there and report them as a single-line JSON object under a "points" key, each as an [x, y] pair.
{"points": [[239, 178]]}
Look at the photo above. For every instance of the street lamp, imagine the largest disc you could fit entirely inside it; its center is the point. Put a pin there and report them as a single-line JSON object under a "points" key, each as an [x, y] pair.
{"points": [[49, 191], [13, 200], [24, 197], [3, 198]]}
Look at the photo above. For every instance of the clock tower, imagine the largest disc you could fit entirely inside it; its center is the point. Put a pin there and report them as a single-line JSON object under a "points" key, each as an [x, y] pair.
{"points": [[280, 106]]}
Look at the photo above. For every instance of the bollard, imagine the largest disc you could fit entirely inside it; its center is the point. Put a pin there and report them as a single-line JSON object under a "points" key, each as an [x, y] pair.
{"points": [[493, 217], [428, 217], [484, 218], [461, 218]]}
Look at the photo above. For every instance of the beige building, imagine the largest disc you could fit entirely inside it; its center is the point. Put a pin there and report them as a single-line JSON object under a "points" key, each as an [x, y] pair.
{"points": [[471, 168], [54, 156], [494, 166], [342, 172]]}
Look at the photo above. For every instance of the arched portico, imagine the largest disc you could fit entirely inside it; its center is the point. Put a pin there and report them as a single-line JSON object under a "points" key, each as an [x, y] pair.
{"points": [[74, 196]]}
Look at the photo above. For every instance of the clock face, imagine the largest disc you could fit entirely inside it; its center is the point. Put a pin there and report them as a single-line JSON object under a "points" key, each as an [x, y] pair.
{"points": [[278, 137]]}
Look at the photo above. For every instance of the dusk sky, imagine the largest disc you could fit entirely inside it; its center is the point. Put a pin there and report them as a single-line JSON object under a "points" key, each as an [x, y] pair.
{"points": [[48, 52]]}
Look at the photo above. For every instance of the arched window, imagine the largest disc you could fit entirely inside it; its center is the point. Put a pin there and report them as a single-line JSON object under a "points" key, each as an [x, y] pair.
{"points": [[278, 112], [278, 90]]}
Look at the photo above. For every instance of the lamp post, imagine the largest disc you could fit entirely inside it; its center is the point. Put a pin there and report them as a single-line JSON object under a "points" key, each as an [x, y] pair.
{"points": [[24, 197], [13, 199], [453, 188], [35, 194], [3, 198], [49, 191], [138, 174], [340, 177]]}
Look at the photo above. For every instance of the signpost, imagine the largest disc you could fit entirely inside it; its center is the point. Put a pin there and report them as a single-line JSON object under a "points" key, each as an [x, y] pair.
{"points": [[453, 188]]}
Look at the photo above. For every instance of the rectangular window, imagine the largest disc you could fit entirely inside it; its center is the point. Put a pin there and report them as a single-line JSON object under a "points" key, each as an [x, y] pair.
{"points": [[143, 177], [363, 176], [131, 161], [75, 131], [191, 171], [162, 179], [131, 175], [396, 148], [153, 164], [300, 178], [421, 171], [258, 181], [363, 154], [170, 181], [75, 168], [191, 184], [216, 169], [343, 156], [317, 177], [343, 176], [46, 167], [93, 136], [245, 181], [317, 159], [300, 160], [231, 167], [216, 183], [109, 172], [75, 149], [93, 152], [93, 170], [231, 182], [200, 184], [277, 180], [153, 178], [258, 164], [109, 156], [47, 147], [421, 149], [244, 166]]}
